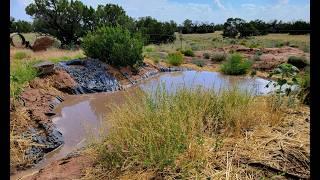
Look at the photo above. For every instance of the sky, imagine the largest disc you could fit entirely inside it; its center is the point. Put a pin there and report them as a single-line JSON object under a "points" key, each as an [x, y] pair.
{"points": [[213, 11]]}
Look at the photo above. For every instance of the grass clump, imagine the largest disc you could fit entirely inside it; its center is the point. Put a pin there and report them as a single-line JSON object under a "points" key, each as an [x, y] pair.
{"points": [[206, 55], [21, 74], [188, 52], [198, 62], [236, 65], [159, 131], [175, 59], [299, 62], [218, 57], [20, 55]]}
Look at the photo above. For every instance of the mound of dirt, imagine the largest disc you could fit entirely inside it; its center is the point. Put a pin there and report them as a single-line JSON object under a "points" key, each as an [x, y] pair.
{"points": [[31, 115], [42, 44]]}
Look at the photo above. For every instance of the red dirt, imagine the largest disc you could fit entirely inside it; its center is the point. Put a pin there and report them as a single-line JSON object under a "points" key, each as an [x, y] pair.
{"points": [[67, 168], [34, 102]]}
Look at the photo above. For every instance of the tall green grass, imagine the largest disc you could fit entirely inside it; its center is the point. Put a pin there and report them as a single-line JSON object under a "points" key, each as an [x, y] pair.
{"points": [[20, 74], [151, 131]]}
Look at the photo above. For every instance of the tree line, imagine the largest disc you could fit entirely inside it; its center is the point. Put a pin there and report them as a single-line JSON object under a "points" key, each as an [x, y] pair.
{"points": [[69, 21]]}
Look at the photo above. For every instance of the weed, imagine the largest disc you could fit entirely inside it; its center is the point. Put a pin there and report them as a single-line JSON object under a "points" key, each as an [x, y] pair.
{"points": [[188, 52], [198, 62], [206, 55], [236, 65], [218, 57], [299, 62], [20, 55], [175, 59]]}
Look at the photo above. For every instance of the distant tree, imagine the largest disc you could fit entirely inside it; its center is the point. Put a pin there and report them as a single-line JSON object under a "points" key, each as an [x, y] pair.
{"points": [[300, 27], [246, 29], [113, 15], [62, 19], [260, 27], [20, 26], [218, 27], [11, 27], [187, 26], [230, 27], [156, 32]]}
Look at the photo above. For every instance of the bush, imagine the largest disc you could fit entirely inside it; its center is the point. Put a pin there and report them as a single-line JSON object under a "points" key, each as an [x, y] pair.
{"points": [[115, 46], [299, 62], [236, 65], [20, 55], [175, 59], [206, 55], [218, 57], [198, 62], [188, 52]]}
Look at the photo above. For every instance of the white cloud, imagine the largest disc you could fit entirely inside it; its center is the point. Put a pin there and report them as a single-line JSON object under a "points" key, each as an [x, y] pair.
{"points": [[283, 1], [219, 4], [249, 6]]}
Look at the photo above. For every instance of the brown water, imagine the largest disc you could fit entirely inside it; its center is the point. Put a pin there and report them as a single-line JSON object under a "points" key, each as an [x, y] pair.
{"points": [[78, 117]]}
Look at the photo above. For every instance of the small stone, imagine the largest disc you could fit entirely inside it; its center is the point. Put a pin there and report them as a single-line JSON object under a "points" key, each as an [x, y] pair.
{"points": [[44, 67]]}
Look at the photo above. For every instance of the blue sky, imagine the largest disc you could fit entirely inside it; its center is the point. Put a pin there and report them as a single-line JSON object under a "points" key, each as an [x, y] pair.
{"points": [[216, 11]]}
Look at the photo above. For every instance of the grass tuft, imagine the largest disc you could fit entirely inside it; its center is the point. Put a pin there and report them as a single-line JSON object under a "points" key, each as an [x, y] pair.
{"points": [[169, 131], [236, 65]]}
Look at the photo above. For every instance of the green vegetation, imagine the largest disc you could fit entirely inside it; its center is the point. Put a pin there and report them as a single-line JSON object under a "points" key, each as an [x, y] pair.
{"points": [[299, 62], [20, 74], [304, 94], [20, 55], [198, 62], [236, 65], [206, 55], [115, 46], [218, 57], [287, 78], [20, 26], [188, 52], [175, 59], [160, 131]]}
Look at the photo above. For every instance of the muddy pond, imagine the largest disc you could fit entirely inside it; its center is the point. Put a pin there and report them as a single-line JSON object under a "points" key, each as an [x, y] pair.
{"points": [[78, 117]]}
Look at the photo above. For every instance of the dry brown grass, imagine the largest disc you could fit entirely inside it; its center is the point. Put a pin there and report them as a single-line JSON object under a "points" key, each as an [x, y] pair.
{"points": [[259, 142], [50, 54]]}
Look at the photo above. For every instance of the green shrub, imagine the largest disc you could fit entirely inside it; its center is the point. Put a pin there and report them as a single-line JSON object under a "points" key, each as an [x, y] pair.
{"points": [[198, 62], [149, 49], [236, 65], [115, 46], [188, 52], [218, 57], [299, 62], [206, 55], [175, 59], [20, 55]]}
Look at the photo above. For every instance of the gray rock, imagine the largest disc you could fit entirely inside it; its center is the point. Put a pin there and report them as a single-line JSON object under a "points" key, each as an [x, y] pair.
{"points": [[44, 67]]}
